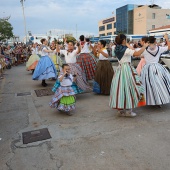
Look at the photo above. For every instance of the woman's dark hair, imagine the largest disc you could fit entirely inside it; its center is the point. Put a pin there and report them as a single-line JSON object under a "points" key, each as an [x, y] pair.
{"points": [[145, 39], [103, 42], [64, 65], [42, 40], [81, 38], [135, 46], [87, 39], [151, 39], [119, 39]]}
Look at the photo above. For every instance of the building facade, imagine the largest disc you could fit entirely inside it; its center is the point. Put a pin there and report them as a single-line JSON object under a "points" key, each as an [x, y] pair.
{"points": [[107, 26], [159, 32], [124, 19], [146, 18]]}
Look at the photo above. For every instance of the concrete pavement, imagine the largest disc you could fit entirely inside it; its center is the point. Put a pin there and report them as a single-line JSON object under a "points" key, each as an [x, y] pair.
{"points": [[94, 138]]}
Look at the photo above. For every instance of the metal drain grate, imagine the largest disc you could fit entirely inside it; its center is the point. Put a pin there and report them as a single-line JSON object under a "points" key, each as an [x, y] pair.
{"points": [[44, 92], [24, 94], [35, 135]]}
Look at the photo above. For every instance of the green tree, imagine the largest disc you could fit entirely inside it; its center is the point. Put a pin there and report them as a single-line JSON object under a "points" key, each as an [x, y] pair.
{"points": [[5, 30]]}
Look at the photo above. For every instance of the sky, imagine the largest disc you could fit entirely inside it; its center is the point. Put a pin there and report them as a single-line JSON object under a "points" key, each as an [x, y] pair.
{"points": [[44, 15]]}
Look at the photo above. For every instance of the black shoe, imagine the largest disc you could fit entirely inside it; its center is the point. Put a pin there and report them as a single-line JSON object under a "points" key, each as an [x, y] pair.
{"points": [[44, 84]]}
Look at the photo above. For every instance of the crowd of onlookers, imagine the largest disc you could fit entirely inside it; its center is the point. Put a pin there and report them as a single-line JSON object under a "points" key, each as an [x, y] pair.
{"points": [[13, 55]]}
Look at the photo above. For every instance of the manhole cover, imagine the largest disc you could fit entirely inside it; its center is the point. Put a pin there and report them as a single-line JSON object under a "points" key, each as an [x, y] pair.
{"points": [[44, 92], [35, 135], [24, 94]]}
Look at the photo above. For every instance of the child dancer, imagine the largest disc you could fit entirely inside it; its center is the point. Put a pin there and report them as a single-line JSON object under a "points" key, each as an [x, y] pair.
{"points": [[126, 89], [64, 99], [70, 58], [45, 68]]}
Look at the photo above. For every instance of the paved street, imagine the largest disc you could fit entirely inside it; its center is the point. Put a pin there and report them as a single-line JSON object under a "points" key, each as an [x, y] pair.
{"points": [[94, 138]]}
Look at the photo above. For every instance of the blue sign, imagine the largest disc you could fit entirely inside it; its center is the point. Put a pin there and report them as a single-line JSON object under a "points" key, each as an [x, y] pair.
{"points": [[32, 38]]}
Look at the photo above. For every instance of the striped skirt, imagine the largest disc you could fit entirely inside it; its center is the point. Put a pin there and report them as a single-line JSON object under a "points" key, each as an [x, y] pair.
{"points": [[156, 81], [126, 88], [103, 77], [63, 99], [87, 64], [81, 77]]}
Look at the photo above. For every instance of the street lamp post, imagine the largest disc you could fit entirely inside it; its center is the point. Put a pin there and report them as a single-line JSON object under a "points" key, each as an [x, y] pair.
{"points": [[22, 3]]}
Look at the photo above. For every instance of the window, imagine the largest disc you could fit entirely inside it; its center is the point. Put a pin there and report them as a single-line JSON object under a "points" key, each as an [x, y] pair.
{"points": [[109, 33], [109, 26], [102, 28], [153, 15], [153, 26], [102, 35], [115, 25]]}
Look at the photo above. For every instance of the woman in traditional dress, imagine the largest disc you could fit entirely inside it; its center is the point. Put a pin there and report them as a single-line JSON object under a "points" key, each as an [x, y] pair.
{"points": [[104, 70], [64, 97], [155, 77], [142, 61], [126, 89], [86, 60], [70, 57], [45, 68], [33, 60]]}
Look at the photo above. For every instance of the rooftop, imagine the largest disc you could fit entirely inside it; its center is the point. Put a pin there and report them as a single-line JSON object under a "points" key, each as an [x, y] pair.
{"points": [[163, 27]]}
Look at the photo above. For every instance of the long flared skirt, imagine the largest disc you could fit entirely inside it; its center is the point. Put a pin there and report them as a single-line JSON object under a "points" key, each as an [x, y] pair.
{"points": [[126, 89], [45, 69], [103, 77], [80, 78], [63, 99], [32, 62], [57, 62], [140, 66], [156, 80], [87, 64]]}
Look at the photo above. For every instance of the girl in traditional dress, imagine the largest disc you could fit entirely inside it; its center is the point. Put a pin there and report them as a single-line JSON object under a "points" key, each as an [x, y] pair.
{"points": [[55, 58], [142, 61], [33, 60], [104, 70], [45, 68], [155, 77], [86, 60], [70, 57], [126, 89], [64, 97]]}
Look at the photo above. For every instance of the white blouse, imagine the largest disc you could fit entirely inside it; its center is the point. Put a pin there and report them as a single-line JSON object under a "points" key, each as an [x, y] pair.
{"points": [[154, 59], [70, 57], [45, 53], [34, 51], [86, 48], [127, 56], [102, 57], [67, 81]]}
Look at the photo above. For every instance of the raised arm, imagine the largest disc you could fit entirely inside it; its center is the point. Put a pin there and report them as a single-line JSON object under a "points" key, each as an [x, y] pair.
{"points": [[78, 48], [167, 40], [138, 53]]}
